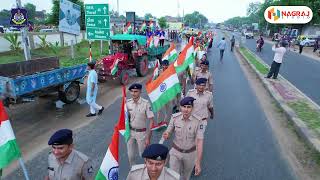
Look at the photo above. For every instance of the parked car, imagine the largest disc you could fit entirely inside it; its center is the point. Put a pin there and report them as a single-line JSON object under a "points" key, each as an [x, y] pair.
{"points": [[47, 30], [12, 30], [248, 35], [308, 41]]}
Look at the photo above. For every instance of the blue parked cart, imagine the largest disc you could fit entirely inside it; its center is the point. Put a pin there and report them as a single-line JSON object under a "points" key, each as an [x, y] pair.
{"points": [[23, 81]]}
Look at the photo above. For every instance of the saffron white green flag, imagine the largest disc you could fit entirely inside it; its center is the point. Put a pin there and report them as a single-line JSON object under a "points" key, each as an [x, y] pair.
{"points": [[9, 149], [165, 88], [114, 67], [185, 58], [123, 122], [171, 53], [109, 169]]}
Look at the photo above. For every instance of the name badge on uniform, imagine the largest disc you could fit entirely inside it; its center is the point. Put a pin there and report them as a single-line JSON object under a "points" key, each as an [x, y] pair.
{"points": [[90, 170]]}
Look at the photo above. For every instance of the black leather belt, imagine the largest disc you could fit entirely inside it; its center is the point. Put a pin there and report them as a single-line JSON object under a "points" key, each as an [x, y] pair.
{"points": [[138, 130], [184, 150]]}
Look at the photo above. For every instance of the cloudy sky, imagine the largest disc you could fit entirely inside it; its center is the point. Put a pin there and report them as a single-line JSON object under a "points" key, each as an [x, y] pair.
{"points": [[214, 10]]}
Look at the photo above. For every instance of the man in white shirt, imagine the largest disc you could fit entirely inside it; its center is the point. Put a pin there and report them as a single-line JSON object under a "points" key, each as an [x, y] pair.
{"points": [[277, 60]]}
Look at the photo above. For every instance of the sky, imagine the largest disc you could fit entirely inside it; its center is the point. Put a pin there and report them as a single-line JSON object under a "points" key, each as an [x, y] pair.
{"points": [[215, 10]]}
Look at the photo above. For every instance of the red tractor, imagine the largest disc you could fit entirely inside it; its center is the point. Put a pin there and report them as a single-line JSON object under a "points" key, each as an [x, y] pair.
{"points": [[131, 53]]}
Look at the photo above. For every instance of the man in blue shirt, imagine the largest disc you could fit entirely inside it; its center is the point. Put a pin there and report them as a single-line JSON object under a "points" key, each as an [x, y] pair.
{"points": [[222, 46]]}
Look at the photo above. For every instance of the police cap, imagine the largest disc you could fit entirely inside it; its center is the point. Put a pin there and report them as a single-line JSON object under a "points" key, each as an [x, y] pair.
{"points": [[201, 81], [165, 62], [156, 152], [187, 101], [61, 137], [135, 86], [205, 62]]}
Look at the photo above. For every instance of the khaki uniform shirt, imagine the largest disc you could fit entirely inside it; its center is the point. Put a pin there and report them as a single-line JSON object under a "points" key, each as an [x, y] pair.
{"points": [[76, 167], [139, 172], [139, 112], [207, 75], [203, 102], [185, 131]]}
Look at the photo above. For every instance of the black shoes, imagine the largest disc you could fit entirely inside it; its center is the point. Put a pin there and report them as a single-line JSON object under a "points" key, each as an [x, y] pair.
{"points": [[100, 111], [90, 115]]}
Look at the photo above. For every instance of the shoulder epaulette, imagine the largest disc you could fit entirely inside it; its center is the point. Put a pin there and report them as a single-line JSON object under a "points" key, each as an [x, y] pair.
{"points": [[176, 114], [173, 173], [137, 167]]}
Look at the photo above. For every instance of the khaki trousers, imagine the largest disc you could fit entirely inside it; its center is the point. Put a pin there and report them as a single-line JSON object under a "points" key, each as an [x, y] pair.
{"points": [[135, 144], [182, 163]]}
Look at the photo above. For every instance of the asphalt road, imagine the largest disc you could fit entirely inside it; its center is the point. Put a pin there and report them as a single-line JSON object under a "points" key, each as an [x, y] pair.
{"points": [[239, 142], [301, 71]]}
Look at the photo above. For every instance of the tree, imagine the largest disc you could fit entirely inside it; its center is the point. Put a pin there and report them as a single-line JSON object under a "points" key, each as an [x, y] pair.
{"points": [[54, 16], [162, 22], [195, 19], [31, 9], [148, 16]]}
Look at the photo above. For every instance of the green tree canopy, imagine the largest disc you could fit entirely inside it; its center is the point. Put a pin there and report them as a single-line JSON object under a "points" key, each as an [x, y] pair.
{"points": [[148, 16], [162, 22], [195, 19], [31, 9]]}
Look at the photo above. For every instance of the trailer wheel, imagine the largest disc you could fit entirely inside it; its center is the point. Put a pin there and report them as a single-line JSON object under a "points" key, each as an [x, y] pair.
{"points": [[142, 66], [71, 93], [124, 77]]}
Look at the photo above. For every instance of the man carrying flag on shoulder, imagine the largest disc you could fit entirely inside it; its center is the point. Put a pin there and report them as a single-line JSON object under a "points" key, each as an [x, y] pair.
{"points": [[140, 112]]}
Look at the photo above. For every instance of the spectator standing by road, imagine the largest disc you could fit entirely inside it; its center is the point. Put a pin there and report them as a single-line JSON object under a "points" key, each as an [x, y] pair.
{"points": [[222, 46], [233, 40], [316, 45], [301, 45], [277, 60]]}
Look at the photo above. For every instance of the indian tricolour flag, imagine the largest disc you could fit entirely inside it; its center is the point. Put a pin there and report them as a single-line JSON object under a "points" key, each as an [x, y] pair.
{"points": [[171, 53], [185, 58], [9, 149], [109, 169], [165, 88], [143, 26], [151, 26], [128, 29], [114, 67], [123, 122], [151, 42]]}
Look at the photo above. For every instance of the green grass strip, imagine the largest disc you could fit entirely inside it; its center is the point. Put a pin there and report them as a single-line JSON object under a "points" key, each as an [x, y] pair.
{"points": [[310, 116], [253, 60]]}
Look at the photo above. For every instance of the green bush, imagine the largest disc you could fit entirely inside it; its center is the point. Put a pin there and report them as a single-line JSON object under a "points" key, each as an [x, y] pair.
{"points": [[14, 42]]}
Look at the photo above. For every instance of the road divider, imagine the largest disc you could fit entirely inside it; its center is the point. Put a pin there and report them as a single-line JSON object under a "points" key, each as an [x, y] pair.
{"points": [[299, 108]]}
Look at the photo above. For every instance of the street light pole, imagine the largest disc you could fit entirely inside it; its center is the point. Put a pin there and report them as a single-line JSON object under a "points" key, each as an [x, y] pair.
{"points": [[24, 38]]}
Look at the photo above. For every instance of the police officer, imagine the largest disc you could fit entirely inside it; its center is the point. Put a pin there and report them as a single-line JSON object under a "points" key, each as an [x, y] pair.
{"points": [[64, 162], [186, 151], [139, 112], [155, 157], [203, 104], [203, 72]]}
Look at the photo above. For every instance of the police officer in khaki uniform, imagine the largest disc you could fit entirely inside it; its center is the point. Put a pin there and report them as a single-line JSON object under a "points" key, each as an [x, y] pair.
{"points": [[187, 148], [203, 72], [203, 105], [139, 112], [155, 157], [65, 163]]}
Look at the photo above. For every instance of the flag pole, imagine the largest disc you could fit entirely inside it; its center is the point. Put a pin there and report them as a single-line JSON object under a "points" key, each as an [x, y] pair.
{"points": [[24, 169]]}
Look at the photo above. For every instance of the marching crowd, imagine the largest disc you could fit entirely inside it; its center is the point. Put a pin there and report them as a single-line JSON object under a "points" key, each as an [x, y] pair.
{"points": [[186, 118]]}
